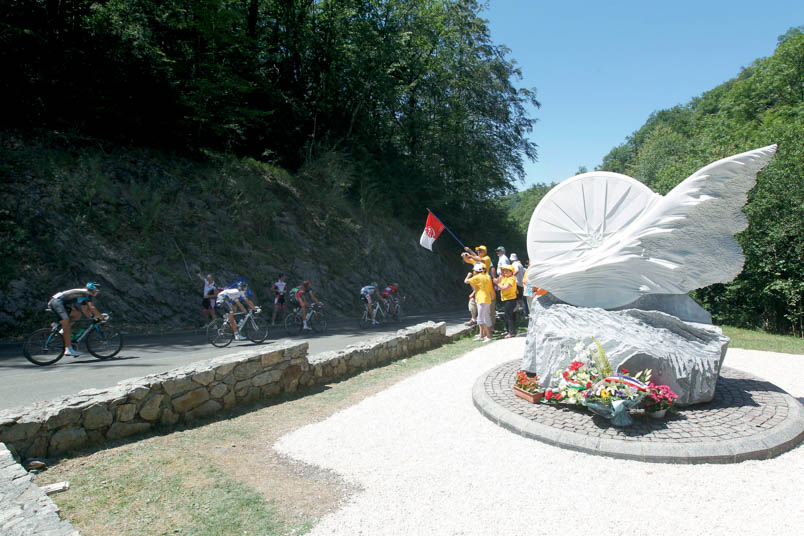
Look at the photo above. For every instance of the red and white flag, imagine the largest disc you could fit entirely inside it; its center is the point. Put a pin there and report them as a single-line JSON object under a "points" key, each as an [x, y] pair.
{"points": [[432, 229]]}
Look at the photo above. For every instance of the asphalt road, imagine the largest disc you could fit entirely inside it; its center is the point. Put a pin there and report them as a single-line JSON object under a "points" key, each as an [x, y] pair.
{"points": [[23, 383]]}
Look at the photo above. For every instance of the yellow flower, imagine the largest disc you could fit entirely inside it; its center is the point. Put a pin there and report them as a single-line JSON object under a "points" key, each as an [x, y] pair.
{"points": [[604, 393]]}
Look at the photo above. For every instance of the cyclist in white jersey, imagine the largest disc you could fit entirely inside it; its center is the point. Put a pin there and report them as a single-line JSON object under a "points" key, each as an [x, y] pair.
{"points": [[232, 298], [366, 294]]}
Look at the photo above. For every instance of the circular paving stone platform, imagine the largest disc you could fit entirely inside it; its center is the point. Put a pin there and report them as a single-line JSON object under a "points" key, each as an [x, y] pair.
{"points": [[749, 419]]}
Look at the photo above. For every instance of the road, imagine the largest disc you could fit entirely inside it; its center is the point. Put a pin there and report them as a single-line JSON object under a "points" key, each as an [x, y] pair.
{"points": [[22, 383]]}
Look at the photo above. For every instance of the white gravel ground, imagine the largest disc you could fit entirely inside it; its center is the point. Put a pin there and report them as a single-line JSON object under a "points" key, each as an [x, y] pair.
{"points": [[429, 463]]}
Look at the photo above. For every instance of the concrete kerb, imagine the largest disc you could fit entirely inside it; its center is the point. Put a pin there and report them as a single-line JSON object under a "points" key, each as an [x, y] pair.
{"points": [[95, 416], [786, 433]]}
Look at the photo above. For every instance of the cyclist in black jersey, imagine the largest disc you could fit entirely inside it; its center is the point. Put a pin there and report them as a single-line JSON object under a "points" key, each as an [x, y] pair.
{"points": [[68, 305]]}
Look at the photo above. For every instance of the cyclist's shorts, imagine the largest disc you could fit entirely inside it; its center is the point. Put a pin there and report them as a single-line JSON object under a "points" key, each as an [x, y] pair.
{"points": [[225, 305], [279, 299], [366, 298], [58, 308]]}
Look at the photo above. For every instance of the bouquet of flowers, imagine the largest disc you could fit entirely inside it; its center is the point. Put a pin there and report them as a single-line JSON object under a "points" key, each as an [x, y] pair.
{"points": [[527, 383], [572, 383], [660, 397], [616, 393]]}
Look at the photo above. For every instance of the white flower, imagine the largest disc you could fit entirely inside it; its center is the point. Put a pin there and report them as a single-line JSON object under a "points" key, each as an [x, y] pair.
{"points": [[579, 348]]}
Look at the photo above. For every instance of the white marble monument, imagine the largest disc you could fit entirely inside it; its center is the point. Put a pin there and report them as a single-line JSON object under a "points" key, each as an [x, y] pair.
{"points": [[605, 240]]}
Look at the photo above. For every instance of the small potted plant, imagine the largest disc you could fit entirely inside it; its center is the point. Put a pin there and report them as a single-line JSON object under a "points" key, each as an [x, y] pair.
{"points": [[660, 398], [528, 387]]}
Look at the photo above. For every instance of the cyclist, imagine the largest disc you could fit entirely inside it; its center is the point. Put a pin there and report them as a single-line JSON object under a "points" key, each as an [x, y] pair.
{"points": [[68, 305], [279, 297], [301, 295], [366, 294], [232, 298]]}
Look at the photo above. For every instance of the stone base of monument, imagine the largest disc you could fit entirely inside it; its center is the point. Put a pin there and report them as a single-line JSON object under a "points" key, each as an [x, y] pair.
{"points": [[684, 355], [747, 419]]}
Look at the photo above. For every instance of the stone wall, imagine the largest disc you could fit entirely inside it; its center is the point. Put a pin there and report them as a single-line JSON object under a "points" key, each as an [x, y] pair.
{"points": [[95, 416]]}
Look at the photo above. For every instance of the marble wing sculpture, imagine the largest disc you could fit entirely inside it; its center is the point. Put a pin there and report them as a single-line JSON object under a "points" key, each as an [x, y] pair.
{"points": [[604, 239]]}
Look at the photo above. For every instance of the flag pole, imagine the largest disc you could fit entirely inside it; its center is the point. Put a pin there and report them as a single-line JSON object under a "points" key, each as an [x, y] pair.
{"points": [[447, 228]]}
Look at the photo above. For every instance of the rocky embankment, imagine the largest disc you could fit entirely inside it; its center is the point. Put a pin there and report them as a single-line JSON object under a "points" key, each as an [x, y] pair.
{"points": [[144, 224]]}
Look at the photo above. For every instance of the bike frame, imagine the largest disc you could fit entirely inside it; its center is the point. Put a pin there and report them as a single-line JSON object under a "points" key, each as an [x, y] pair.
{"points": [[56, 331]]}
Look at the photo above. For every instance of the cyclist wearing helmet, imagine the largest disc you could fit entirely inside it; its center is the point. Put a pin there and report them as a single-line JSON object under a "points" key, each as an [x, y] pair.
{"points": [[366, 294], [234, 297], [68, 305], [301, 295]]}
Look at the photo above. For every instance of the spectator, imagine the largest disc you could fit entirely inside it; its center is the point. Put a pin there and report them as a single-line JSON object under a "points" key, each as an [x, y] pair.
{"points": [[472, 257], [507, 285], [481, 283], [502, 259], [519, 273], [472, 310], [479, 255], [208, 299], [279, 298]]}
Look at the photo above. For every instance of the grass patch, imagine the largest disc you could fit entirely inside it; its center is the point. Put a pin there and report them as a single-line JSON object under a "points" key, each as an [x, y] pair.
{"points": [[222, 477], [760, 340]]}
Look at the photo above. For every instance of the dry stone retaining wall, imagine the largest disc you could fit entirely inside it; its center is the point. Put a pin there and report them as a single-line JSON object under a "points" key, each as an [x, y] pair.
{"points": [[95, 416]]}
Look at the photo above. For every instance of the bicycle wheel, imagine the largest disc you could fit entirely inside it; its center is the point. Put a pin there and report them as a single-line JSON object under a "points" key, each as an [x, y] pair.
{"points": [[104, 342], [220, 333], [364, 320], [256, 329], [293, 324], [318, 322], [43, 347]]}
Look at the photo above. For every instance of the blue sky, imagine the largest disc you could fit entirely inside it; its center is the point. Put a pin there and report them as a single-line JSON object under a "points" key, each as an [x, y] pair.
{"points": [[601, 68]]}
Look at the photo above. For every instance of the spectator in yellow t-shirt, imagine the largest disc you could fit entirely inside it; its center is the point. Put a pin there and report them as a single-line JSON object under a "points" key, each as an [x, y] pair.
{"points": [[507, 285], [481, 283]]}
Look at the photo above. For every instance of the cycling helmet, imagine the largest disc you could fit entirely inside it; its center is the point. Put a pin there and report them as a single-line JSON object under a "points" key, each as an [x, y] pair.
{"points": [[242, 285], [306, 283], [93, 286], [374, 284]]}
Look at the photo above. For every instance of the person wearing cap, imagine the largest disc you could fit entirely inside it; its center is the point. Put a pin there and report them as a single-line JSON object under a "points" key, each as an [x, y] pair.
{"points": [[507, 285], [519, 273], [472, 257], [479, 255], [68, 305], [480, 281], [501, 259]]}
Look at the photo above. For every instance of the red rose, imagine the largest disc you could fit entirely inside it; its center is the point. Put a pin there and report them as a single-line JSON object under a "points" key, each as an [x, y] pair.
{"points": [[558, 396], [625, 371], [566, 375], [548, 394], [588, 385]]}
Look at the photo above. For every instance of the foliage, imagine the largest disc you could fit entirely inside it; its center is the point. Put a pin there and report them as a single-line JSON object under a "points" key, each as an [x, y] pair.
{"points": [[413, 92], [763, 105], [520, 205]]}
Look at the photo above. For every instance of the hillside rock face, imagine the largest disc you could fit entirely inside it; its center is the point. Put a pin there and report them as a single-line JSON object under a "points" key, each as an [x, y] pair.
{"points": [[145, 225], [686, 356]]}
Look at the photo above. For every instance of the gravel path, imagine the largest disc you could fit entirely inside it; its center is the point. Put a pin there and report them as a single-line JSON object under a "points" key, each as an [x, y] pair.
{"points": [[429, 463]]}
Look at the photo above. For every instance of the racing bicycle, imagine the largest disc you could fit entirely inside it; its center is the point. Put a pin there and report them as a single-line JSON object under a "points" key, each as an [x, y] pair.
{"points": [[252, 326], [316, 319], [45, 346], [380, 314]]}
